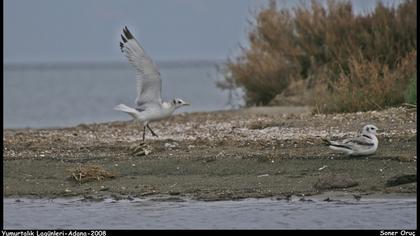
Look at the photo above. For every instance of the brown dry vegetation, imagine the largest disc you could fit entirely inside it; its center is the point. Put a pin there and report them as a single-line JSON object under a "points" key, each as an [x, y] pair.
{"points": [[368, 85], [350, 62], [86, 173]]}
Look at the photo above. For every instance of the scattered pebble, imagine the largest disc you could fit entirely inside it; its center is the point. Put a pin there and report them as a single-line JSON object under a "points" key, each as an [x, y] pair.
{"points": [[264, 175], [171, 145], [323, 167]]}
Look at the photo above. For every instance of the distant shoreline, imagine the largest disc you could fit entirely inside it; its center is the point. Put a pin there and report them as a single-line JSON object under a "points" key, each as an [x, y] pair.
{"points": [[108, 65]]}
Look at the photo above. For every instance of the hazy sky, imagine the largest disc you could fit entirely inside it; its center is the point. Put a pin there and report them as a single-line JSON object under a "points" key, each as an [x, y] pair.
{"points": [[89, 30]]}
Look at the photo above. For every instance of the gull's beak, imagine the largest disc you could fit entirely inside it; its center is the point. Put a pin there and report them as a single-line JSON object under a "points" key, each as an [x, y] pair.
{"points": [[186, 104]]}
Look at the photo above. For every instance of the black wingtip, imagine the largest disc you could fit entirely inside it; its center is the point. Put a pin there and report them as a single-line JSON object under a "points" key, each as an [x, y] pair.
{"points": [[123, 39], [127, 33], [121, 46]]}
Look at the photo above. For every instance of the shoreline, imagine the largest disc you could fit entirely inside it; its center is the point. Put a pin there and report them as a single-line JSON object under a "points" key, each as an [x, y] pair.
{"points": [[262, 152], [333, 196]]}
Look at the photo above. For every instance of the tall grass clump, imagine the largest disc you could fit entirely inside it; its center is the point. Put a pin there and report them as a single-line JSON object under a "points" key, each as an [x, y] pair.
{"points": [[368, 85], [354, 62]]}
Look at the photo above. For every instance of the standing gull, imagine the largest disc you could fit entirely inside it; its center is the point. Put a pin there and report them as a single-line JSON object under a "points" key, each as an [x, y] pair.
{"points": [[365, 144], [149, 105]]}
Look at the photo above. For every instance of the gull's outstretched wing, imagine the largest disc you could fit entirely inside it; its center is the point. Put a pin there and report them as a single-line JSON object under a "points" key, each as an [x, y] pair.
{"points": [[149, 84]]}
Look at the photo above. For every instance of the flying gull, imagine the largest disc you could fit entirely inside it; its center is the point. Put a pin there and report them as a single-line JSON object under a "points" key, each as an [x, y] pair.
{"points": [[148, 105]]}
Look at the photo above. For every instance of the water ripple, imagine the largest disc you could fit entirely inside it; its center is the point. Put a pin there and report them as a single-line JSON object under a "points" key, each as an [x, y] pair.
{"points": [[244, 214]]}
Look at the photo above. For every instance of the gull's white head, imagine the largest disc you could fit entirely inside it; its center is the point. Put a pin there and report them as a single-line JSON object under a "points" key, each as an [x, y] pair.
{"points": [[369, 129], [177, 102]]}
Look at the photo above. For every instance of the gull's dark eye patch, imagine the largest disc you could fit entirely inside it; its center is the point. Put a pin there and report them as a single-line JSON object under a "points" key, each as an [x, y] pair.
{"points": [[174, 102]]}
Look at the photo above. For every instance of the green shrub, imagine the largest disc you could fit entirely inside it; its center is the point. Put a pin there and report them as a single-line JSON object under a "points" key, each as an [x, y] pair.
{"points": [[411, 92]]}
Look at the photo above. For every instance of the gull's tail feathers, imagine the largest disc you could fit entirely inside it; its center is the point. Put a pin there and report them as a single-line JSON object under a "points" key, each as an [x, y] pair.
{"points": [[336, 146], [131, 111]]}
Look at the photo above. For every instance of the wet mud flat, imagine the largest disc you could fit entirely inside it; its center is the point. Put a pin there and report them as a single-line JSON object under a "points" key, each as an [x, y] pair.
{"points": [[254, 152]]}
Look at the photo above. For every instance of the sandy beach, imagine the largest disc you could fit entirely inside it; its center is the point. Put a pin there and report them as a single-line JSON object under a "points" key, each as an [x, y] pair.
{"points": [[251, 152]]}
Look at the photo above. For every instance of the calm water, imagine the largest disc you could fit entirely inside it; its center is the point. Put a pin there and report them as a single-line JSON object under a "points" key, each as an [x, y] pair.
{"points": [[244, 214], [40, 96]]}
